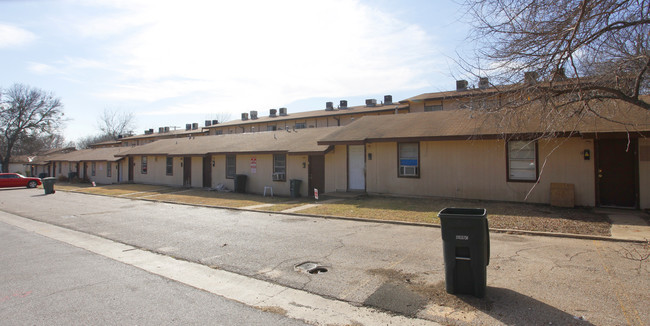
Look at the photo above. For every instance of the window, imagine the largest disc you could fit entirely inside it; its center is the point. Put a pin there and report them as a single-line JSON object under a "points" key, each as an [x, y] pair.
{"points": [[300, 125], [60, 167], [93, 168], [108, 169], [522, 161], [169, 169], [231, 166], [271, 128], [143, 165], [431, 108], [409, 159], [279, 167]]}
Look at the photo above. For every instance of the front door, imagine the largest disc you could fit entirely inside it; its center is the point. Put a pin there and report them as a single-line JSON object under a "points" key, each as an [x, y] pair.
{"points": [[187, 171], [207, 171], [316, 174], [357, 168], [616, 172]]}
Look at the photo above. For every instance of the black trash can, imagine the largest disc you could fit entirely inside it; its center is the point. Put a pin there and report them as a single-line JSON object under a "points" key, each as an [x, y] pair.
{"points": [[466, 248], [294, 187], [240, 183], [48, 185]]}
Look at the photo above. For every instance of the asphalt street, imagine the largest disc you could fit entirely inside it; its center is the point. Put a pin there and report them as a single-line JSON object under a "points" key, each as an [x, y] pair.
{"points": [[47, 282], [531, 280]]}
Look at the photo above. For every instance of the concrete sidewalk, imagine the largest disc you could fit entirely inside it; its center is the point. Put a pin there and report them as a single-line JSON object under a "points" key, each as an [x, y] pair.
{"points": [[628, 224]]}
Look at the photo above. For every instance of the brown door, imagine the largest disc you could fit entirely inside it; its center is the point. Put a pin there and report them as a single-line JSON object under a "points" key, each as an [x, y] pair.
{"points": [[316, 174], [616, 172], [187, 171], [207, 172], [131, 167]]}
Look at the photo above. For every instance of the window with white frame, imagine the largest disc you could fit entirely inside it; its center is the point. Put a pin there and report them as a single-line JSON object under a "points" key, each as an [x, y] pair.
{"points": [[231, 166], [522, 160], [143, 165], [409, 159], [279, 167]]}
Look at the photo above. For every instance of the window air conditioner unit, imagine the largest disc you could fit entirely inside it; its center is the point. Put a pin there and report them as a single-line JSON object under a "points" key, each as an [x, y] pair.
{"points": [[278, 176]]}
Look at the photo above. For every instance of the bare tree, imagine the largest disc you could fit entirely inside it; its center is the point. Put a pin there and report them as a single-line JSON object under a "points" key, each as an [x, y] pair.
{"points": [[570, 51], [114, 123], [26, 112], [33, 144]]}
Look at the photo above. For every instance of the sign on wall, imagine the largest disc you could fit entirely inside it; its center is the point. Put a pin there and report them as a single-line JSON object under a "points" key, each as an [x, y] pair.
{"points": [[253, 164]]}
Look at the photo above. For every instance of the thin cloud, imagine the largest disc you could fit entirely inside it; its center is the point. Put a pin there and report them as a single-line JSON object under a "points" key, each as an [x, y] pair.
{"points": [[12, 36], [256, 53]]}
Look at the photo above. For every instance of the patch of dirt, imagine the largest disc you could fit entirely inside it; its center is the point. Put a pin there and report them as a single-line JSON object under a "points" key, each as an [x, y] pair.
{"points": [[272, 309], [434, 293]]}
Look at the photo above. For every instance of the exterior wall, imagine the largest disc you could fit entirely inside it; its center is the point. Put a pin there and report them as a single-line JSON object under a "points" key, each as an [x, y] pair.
{"points": [[644, 173], [156, 171], [477, 170], [219, 172], [18, 168], [100, 173], [336, 169], [263, 176]]}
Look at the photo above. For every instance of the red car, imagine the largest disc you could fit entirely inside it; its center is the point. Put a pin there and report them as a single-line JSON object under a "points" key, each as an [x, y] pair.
{"points": [[18, 180]]}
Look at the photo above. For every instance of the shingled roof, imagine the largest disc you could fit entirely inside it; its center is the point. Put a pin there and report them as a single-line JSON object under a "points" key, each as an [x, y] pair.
{"points": [[315, 114], [471, 124], [94, 154], [301, 141]]}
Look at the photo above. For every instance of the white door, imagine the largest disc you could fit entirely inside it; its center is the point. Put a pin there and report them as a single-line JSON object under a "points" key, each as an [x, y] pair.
{"points": [[357, 167]]}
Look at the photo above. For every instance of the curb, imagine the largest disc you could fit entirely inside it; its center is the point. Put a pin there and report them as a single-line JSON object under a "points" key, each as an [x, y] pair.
{"points": [[370, 220]]}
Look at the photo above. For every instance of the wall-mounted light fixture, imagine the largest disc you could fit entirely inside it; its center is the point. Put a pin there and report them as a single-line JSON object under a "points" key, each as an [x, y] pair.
{"points": [[587, 154], [304, 165], [212, 163]]}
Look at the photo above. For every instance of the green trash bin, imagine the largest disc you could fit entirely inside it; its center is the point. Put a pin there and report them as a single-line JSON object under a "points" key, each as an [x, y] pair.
{"points": [[48, 185], [294, 187], [240, 183], [466, 249]]}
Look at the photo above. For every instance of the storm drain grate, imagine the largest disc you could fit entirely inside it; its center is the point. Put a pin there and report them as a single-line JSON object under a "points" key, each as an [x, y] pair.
{"points": [[311, 268]]}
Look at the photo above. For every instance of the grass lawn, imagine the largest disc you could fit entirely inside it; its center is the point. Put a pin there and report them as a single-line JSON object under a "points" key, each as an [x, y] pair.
{"points": [[516, 216]]}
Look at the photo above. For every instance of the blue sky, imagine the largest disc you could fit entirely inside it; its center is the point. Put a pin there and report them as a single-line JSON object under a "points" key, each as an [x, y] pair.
{"points": [[178, 62]]}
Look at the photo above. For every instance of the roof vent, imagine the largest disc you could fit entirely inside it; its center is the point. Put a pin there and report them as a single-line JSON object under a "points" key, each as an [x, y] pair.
{"points": [[483, 83], [244, 116], [371, 102], [329, 106], [343, 105], [388, 99], [530, 77], [195, 126], [461, 85], [253, 115], [208, 123], [283, 112], [188, 126], [273, 113]]}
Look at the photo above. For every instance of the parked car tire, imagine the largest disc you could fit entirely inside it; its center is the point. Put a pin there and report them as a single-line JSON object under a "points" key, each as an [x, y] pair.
{"points": [[32, 184]]}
